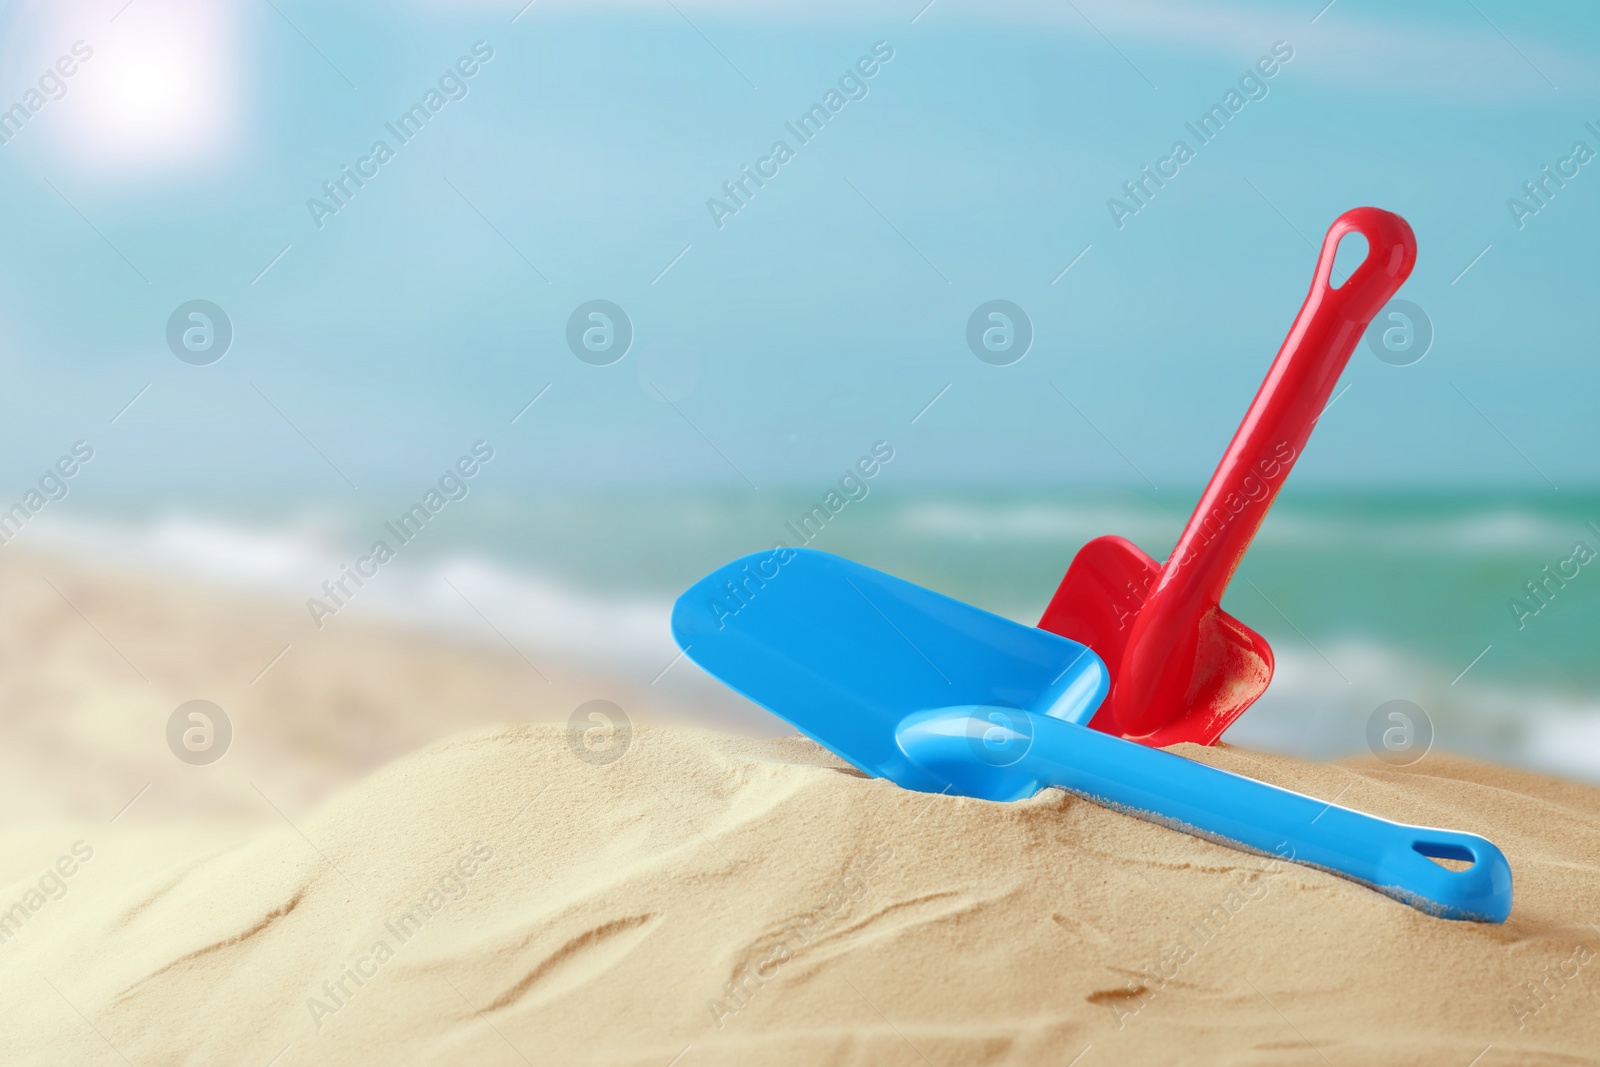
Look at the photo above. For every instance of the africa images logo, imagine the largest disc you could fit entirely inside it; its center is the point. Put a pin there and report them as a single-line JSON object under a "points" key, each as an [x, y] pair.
{"points": [[51, 85], [1252, 86], [452, 85]]}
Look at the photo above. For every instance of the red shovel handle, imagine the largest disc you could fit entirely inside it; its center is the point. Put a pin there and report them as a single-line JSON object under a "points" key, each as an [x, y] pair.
{"points": [[1258, 460]]}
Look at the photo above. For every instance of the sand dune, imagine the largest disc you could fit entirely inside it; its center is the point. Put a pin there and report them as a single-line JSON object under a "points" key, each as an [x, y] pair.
{"points": [[494, 899]]}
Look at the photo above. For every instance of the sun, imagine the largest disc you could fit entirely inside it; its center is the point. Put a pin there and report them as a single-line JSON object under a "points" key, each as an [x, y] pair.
{"points": [[160, 94]]}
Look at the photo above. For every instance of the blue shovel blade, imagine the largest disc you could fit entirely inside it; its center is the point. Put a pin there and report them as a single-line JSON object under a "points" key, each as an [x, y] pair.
{"points": [[845, 653]]}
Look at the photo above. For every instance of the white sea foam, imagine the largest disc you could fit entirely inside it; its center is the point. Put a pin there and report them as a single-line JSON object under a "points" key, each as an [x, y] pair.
{"points": [[1148, 525], [1319, 708], [544, 619], [1567, 743]]}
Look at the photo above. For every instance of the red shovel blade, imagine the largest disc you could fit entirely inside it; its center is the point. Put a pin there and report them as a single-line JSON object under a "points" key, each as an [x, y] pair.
{"points": [[1109, 580], [1182, 669], [1107, 585]]}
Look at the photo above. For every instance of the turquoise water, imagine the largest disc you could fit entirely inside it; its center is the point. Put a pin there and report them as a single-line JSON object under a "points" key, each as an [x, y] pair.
{"points": [[1365, 598], [1431, 576]]}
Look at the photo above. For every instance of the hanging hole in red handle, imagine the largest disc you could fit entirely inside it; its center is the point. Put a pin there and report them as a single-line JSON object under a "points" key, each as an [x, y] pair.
{"points": [[1351, 253], [1391, 253]]}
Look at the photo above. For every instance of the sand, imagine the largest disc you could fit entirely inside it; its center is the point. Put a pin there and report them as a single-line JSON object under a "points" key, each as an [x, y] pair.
{"points": [[97, 657], [726, 901], [347, 888]]}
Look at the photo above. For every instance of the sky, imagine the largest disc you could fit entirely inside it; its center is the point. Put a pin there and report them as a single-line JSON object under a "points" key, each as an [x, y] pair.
{"points": [[584, 158]]}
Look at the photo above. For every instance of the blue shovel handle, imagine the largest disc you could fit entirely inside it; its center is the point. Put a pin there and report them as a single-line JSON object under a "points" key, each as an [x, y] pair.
{"points": [[1007, 754]]}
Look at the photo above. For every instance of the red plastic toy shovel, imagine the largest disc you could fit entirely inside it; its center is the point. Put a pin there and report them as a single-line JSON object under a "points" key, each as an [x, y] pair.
{"points": [[1182, 669]]}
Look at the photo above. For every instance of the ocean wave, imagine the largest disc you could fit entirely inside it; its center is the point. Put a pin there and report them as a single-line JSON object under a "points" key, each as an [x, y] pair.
{"points": [[1317, 707], [454, 591], [1505, 529], [1322, 699]]}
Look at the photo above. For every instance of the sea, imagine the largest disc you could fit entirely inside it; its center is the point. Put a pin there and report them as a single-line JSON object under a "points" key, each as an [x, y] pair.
{"points": [[1479, 611]]}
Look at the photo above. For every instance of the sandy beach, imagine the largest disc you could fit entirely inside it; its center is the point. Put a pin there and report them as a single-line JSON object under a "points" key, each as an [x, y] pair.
{"points": [[406, 859], [101, 655]]}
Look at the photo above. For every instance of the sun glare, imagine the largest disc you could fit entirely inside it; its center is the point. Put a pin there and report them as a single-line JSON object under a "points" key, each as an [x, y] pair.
{"points": [[153, 91]]}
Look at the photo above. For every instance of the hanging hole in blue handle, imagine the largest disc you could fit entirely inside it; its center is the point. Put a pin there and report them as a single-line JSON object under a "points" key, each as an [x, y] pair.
{"points": [[1450, 857]]}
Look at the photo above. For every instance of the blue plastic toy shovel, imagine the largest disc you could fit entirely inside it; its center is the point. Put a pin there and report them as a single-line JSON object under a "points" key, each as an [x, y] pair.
{"points": [[939, 696]]}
